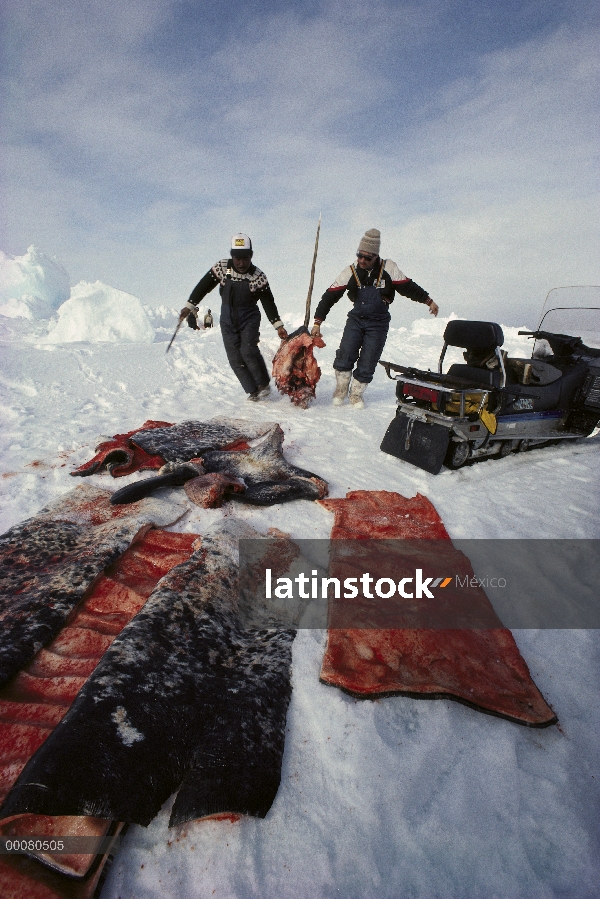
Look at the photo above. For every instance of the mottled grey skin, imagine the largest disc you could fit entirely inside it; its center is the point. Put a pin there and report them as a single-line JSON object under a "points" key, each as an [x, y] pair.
{"points": [[190, 439], [269, 478], [184, 699], [48, 562]]}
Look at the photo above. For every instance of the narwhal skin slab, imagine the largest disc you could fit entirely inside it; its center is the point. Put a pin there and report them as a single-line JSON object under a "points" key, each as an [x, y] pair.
{"points": [[268, 476], [120, 456], [49, 561], [157, 442], [262, 475], [185, 699], [190, 439]]}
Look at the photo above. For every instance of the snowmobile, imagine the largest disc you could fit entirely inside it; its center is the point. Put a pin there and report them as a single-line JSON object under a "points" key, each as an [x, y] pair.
{"points": [[493, 405]]}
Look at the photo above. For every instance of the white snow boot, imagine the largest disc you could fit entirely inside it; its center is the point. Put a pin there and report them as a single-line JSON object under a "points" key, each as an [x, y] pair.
{"points": [[342, 382], [357, 388]]}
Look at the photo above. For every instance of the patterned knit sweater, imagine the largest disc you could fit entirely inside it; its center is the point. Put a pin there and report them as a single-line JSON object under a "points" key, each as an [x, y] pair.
{"points": [[258, 282]]}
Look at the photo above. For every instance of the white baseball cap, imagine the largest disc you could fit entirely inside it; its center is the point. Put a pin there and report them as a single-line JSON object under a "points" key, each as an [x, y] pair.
{"points": [[241, 245]]}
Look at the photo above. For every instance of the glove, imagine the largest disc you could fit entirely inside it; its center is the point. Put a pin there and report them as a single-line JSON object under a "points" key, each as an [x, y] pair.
{"points": [[192, 315], [282, 333], [316, 330]]}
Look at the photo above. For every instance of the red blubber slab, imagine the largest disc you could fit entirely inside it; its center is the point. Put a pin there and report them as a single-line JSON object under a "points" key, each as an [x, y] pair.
{"points": [[122, 456], [482, 668]]}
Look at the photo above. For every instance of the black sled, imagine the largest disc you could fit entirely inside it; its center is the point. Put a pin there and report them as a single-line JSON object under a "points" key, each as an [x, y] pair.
{"points": [[492, 405]]}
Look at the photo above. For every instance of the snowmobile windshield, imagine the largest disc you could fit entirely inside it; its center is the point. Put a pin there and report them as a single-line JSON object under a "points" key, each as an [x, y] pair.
{"points": [[573, 311]]}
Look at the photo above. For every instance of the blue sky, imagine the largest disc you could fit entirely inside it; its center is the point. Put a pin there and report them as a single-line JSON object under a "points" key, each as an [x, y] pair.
{"points": [[138, 136]]}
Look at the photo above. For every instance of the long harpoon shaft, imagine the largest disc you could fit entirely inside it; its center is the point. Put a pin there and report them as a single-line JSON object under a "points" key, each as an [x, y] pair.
{"points": [[312, 276]]}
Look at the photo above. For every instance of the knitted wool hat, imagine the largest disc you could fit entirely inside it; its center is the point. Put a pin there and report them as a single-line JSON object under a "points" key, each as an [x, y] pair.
{"points": [[371, 242], [241, 245]]}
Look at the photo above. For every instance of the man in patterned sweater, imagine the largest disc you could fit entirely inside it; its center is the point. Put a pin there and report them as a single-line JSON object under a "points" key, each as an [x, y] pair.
{"points": [[242, 285], [371, 285]]}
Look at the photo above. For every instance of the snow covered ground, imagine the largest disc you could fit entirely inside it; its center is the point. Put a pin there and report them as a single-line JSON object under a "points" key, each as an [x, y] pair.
{"points": [[395, 798]]}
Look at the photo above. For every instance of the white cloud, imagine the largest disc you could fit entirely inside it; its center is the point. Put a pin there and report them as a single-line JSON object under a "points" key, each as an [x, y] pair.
{"points": [[484, 190]]}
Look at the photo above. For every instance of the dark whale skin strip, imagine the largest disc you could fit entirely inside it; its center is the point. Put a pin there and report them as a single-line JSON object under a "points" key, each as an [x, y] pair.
{"points": [[131, 493], [48, 562], [105, 609], [480, 668], [164, 689], [236, 767]]}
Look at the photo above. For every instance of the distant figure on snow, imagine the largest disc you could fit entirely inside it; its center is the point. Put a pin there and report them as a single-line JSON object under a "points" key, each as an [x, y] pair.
{"points": [[371, 285], [208, 320], [242, 285]]}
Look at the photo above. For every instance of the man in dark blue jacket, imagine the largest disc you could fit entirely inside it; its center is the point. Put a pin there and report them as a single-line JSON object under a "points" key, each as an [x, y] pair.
{"points": [[242, 285]]}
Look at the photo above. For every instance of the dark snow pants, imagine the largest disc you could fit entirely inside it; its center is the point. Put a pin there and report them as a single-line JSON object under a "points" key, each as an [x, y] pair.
{"points": [[243, 354], [363, 340]]}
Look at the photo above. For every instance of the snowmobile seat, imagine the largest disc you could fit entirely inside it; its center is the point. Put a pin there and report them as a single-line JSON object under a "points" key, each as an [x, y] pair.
{"points": [[481, 340], [483, 377], [531, 372], [542, 397]]}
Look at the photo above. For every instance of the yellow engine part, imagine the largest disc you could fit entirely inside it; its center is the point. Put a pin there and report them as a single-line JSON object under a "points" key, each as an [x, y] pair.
{"points": [[488, 420]]}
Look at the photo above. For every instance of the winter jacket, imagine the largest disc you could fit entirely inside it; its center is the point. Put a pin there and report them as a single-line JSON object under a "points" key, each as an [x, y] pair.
{"points": [[393, 281], [256, 280]]}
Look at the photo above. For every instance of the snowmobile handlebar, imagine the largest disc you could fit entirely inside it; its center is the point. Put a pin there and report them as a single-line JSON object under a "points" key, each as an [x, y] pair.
{"points": [[549, 335], [561, 344]]}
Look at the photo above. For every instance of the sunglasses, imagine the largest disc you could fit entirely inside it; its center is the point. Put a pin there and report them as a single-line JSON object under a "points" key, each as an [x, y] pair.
{"points": [[366, 258]]}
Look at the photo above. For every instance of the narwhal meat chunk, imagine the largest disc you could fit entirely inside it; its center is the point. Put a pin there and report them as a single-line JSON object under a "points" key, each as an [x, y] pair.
{"points": [[209, 490], [295, 368]]}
